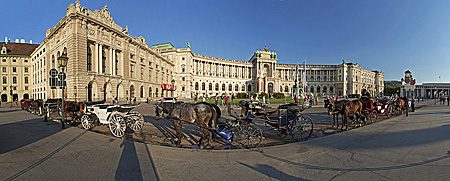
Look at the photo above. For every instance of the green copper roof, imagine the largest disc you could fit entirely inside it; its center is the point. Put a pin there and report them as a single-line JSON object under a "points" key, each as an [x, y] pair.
{"points": [[163, 46]]}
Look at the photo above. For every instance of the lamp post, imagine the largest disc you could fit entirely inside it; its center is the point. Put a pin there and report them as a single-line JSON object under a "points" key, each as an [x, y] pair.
{"points": [[173, 84], [11, 93], [62, 61]]}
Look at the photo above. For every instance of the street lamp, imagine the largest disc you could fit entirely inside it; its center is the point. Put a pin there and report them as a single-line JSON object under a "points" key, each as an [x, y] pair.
{"points": [[62, 61], [11, 92], [173, 86]]}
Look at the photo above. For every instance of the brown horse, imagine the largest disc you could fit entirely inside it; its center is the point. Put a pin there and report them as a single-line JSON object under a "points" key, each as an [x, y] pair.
{"points": [[203, 114], [400, 105], [72, 108], [353, 107], [37, 106], [335, 108]]}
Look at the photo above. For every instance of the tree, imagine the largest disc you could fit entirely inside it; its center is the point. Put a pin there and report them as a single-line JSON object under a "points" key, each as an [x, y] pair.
{"points": [[388, 90]]}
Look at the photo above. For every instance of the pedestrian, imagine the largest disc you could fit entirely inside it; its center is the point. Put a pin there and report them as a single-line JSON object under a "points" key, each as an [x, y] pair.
{"points": [[412, 104], [134, 100], [221, 101], [195, 99], [296, 99], [203, 99], [264, 99], [232, 99], [215, 100], [226, 100], [448, 100], [127, 100]]}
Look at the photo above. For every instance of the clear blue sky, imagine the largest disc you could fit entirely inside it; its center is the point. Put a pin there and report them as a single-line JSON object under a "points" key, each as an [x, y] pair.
{"points": [[387, 35]]}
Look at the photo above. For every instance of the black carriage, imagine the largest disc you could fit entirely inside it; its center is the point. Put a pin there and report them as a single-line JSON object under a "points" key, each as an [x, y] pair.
{"points": [[286, 119]]}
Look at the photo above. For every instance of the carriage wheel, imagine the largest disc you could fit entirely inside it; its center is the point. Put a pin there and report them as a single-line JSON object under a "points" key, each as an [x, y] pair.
{"points": [[301, 128], [249, 135], [135, 121], [117, 125], [373, 116], [87, 122]]}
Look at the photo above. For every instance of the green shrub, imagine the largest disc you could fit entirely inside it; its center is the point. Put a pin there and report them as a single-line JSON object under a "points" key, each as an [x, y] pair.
{"points": [[278, 95], [242, 95]]}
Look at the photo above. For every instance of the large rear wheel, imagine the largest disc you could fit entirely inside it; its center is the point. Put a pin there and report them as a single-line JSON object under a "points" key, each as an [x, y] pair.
{"points": [[301, 128], [373, 116], [135, 121], [249, 135], [117, 125]]}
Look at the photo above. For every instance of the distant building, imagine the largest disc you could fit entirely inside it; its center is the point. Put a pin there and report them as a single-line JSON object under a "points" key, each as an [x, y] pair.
{"points": [[426, 90], [15, 70]]}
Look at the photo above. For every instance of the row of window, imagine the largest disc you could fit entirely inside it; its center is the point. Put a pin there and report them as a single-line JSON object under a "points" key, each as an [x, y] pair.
{"points": [[230, 87], [14, 80], [14, 60], [15, 88], [14, 69]]}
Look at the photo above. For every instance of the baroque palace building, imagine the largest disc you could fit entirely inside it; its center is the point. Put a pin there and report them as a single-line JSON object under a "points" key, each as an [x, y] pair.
{"points": [[105, 62]]}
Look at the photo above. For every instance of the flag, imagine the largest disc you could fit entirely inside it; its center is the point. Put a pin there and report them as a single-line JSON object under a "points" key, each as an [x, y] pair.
{"points": [[292, 73], [296, 72], [304, 74]]}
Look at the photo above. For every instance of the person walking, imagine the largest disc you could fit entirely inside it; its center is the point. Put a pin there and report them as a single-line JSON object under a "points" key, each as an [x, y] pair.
{"points": [[264, 99], [226, 100], [448, 100], [215, 100], [195, 99], [413, 101], [134, 100], [203, 99]]}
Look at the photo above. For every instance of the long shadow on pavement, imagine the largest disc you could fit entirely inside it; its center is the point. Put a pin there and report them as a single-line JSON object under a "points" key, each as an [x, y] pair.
{"points": [[18, 134]]}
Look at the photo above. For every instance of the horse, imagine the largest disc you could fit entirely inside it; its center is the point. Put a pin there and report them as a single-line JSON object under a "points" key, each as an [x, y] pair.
{"points": [[335, 108], [203, 114], [355, 107], [36, 106], [72, 108], [400, 105]]}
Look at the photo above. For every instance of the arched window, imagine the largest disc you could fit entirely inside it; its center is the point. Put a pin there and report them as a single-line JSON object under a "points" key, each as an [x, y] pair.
{"points": [[312, 89], [196, 86], [89, 59], [230, 87], [243, 88], [203, 86], [281, 88], [325, 89], [286, 89], [210, 86], [142, 92], [331, 89], [236, 87], [217, 87], [318, 89], [223, 87], [249, 88], [53, 62], [116, 62]]}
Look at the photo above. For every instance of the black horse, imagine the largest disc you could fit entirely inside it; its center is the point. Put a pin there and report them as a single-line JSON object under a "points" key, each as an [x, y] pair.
{"points": [[335, 108], [205, 115]]}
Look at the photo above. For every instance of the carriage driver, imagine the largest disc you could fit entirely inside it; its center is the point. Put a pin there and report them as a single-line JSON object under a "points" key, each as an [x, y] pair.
{"points": [[365, 95]]}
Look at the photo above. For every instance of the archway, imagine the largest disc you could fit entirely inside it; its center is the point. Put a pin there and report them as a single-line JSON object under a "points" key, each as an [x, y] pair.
{"points": [[141, 92], [131, 92], [156, 93], [15, 97], [92, 91], [150, 92], [26, 96], [270, 87], [4, 98], [119, 91], [107, 91]]}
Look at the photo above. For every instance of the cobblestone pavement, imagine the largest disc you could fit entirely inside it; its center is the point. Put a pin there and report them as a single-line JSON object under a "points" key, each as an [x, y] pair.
{"points": [[162, 132], [400, 148]]}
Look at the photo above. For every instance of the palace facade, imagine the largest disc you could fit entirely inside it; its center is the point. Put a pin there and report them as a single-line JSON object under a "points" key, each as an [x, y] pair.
{"points": [[105, 62]]}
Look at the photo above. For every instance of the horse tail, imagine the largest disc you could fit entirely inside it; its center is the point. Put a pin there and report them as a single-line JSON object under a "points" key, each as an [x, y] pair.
{"points": [[217, 110]]}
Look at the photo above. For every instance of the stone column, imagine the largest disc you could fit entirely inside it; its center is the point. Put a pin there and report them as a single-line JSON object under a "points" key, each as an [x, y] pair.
{"points": [[113, 62], [110, 58], [100, 58], [96, 58]]}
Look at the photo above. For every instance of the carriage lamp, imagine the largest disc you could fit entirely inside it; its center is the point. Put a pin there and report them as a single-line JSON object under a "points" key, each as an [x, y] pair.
{"points": [[62, 61], [173, 81]]}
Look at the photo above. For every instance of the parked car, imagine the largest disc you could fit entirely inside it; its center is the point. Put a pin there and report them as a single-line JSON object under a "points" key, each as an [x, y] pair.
{"points": [[167, 99]]}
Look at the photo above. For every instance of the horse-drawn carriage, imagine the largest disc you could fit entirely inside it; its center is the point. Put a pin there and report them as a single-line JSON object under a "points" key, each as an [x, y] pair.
{"points": [[373, 108], [286, 119], [117, 117]]}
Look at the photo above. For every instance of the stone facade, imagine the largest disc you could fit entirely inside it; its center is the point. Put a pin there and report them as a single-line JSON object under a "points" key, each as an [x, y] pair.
{"points": [[104, 60], [203, 75], [15, 70]]}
